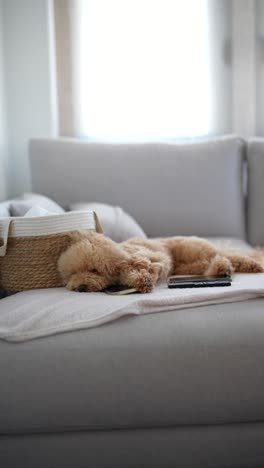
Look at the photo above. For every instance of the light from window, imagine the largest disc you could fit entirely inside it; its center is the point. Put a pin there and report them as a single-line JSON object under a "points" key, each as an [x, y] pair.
{"points": [[143, 69]]}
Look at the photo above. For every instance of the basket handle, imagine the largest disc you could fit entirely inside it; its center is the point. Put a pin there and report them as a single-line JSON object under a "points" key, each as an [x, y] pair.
{"points": [[5, 224], [98, 226]]}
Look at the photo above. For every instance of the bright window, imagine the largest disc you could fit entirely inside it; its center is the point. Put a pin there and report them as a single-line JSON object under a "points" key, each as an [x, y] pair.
{"points": [[143, 70]]}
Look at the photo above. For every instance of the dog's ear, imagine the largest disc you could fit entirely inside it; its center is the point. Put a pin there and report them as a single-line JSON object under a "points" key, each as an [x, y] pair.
{"points": [[107, 255], [114, 259]]}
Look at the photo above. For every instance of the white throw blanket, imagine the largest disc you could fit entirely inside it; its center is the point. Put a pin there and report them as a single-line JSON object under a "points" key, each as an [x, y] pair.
{"points": [[43, 312]]}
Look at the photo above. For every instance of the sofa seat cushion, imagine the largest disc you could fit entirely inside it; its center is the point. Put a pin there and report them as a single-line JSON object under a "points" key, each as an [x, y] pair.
{"points": [[201, 365]]}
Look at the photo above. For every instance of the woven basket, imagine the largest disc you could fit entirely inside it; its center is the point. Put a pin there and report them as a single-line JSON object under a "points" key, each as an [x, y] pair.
{"points": [[30, 248]]}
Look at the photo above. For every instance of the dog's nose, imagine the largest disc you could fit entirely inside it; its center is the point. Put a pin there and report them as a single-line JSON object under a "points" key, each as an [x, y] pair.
{"points": [[83, 288]]}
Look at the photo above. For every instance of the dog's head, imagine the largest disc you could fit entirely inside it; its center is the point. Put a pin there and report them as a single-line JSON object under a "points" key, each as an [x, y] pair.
{"points": [[92, 263]]}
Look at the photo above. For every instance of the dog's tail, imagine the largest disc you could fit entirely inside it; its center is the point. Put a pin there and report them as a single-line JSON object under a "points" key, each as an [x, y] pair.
{"points": [[245, 261]]}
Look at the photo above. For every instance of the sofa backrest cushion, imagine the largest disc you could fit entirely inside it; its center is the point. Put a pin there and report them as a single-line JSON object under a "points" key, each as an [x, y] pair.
{"points": [[255, 157], [192, 188]]}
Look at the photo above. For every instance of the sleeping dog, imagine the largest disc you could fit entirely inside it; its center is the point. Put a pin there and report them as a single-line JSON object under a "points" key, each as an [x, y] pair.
{"points": [[94, 262]]}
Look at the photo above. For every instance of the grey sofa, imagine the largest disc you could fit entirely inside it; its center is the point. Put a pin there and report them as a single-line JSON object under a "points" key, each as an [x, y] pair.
{"points": [[172, 389]]}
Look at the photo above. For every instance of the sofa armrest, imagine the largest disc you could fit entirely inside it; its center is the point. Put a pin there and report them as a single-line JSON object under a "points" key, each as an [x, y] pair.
{"points": [[255, 157]]}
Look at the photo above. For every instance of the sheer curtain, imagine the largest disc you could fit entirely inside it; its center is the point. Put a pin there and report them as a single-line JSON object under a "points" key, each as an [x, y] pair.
{"points": [[158, 69], [143, 69]]}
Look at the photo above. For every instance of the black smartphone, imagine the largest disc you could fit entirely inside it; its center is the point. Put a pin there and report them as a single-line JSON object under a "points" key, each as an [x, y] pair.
{"points": [[198, 281]]}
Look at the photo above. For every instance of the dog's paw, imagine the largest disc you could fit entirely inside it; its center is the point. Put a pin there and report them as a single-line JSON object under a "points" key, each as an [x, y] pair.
{"points": [[249, 265], [145, 286], [220, 266], [258, 268], [144, 282], [141, 280]]}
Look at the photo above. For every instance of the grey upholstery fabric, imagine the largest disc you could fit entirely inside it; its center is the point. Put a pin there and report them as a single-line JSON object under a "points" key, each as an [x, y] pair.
{"points": [[196, 366], [169, 188], [255, 155], [224, 446]]}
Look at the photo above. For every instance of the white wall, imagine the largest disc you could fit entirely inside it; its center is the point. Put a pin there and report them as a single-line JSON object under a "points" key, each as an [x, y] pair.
{"points": [[3, 132], [30, 82]]}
